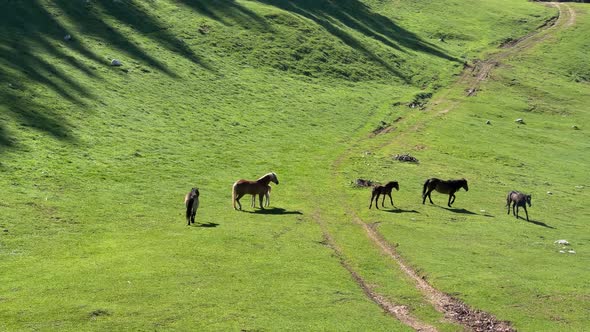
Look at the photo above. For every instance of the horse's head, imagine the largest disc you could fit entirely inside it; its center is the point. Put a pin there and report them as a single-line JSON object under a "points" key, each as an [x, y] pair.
{"points": [[528, 200], [464, 184], [274, 178], [393, 184], [195, 192]]}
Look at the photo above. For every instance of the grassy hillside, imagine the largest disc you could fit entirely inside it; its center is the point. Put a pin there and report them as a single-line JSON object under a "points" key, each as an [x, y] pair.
{"points": [[96, 159], [507, 266]]}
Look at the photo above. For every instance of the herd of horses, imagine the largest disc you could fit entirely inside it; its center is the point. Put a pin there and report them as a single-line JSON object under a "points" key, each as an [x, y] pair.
{"points": [[262, 188]]}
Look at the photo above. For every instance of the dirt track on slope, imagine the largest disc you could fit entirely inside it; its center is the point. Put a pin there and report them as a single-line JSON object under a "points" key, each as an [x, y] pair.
{"points": [[400, 312], [453, 309], [481, 70]]}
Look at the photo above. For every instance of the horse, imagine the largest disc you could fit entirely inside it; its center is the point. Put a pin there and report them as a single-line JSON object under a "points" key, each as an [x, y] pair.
{"points": [[518, 199], [266, 195], [385, 191], [191, 201], [444, 187], [258, 187]]}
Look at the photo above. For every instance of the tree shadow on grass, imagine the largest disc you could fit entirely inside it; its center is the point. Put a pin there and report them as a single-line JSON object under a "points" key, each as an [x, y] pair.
{"points": [[33, 51], [357, 16], [229, 12], [275, 211]]}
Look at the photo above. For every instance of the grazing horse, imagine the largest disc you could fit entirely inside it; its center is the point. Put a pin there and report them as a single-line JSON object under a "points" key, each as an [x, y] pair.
{"points": [[444, 187], [518, 199], [385, 191], [258, 187], [191, 201]]}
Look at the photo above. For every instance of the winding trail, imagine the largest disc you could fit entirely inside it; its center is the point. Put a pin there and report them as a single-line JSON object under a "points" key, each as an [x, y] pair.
{"points": [[400, 312], [472, 77], [453, 309]]}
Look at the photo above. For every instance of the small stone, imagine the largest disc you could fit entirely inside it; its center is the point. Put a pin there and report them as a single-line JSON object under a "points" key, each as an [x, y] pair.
{"points": [[519, 120], [116, 62], [488, 122], [68, 37], [562, 242], [575, 128], [562, 251], [549, 193], [571, 251]]}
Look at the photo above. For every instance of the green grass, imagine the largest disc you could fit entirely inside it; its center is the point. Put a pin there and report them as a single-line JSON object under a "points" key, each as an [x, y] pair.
{"points": [[95, 162]]}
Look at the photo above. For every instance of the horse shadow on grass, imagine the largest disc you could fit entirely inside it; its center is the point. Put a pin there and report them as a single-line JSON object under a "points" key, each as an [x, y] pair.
{"points": [[538, 223], [460, 211], [274, 211], [207, 225], [398, 210]]}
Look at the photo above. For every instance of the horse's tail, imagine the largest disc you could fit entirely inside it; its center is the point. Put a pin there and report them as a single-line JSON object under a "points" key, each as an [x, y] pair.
{"points": [[425, 186], [233, 195]]}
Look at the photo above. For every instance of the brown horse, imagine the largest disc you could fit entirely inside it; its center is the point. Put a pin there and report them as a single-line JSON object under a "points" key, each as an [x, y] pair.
{"points": [[518, 199], [385, 191], [258, 187], [444, 187], [191, 201]]}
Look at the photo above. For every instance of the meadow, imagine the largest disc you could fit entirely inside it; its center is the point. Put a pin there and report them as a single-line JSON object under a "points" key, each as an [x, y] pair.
{"points": [[96, 160]]}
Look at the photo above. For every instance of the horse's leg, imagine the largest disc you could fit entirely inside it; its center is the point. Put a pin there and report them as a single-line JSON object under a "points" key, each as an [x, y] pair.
{"points": [[377, 200], [508, 207], [514, 209], [261, 197], [451, 199], [390, 199], [383, 200], [238, 200], [525, 211], [429, 196], [194, 213], [517, 207]]}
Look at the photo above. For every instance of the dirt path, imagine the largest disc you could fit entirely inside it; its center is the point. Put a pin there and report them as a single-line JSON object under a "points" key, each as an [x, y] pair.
{"points": [[473, 76], [399, 312], [453, 309]]}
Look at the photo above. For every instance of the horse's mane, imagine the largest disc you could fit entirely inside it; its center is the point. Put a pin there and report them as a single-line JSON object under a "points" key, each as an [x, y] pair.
{"points": [[271, 174]]}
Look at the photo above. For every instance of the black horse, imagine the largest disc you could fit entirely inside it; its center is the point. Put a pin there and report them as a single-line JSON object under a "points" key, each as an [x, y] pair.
{"points": [[191, 201], [518, 199], [444, 187], [385, 191]]}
